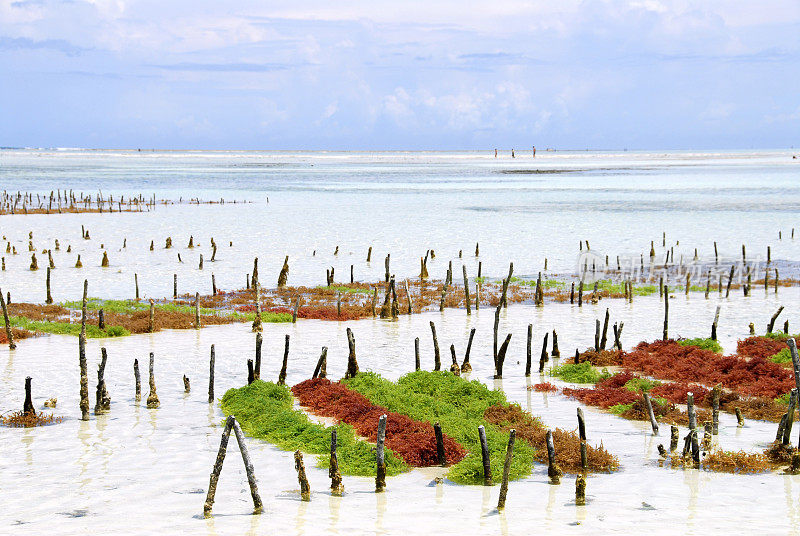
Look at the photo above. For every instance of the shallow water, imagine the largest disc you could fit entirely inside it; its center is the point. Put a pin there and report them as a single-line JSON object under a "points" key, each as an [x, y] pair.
{"points": [[136, 470], [398, 203]]}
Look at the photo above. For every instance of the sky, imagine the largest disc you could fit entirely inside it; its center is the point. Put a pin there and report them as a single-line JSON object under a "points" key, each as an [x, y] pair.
{"points": [[438, 74]]}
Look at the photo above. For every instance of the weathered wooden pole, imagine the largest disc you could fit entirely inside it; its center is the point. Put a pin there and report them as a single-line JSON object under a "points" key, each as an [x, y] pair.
{"points": [[152, 398], [27, 407], [603, 337], [454, 368], [49, 298], [580, 490], [211, 376], [197, 310], [466, 290], [136, 283], [487, 466], [320, 370], [529, 352], [352, 363], [283, 276], [151, 326], [673, 438], [337, 488], [9, 334], [582, 436], [501, 357], [543, 357], [714, 325], [437, 361], [386, 265], [416, 353], [217, 469], [380, 476], [650, 413], [496, 326], [84, 390], [282, 375], [465, 365], [175, 286], [257, 363], [501, 503], [772, 320], [553, 470], [258, 506], [666, 312], [716, 391], [440, 455], [102, 400], [138, 379]]}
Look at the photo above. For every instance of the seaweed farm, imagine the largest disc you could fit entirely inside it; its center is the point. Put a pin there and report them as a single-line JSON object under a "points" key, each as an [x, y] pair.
{"points": [[416, 343]]}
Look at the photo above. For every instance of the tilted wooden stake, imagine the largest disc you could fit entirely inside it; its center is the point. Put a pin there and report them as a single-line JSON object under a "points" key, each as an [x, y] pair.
{"points": [[352, 363], [320, 370], [9, 333], [501, 502], [437, 359], [230, 423], [282, 375], [102, 400], [465, 365]]}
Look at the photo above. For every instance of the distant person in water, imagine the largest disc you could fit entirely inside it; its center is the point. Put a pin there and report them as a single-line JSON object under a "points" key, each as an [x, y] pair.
{"points": [[512, 153], [534, 151], [495, 153]]}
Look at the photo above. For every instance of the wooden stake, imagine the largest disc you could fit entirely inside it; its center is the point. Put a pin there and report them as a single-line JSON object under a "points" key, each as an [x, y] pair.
{"points": [[650, 413], [437, 362], [466, 367], [337, 488], [416, 353], [553, 470], [487, 466], [320, 369], [543, 357], [282, 375], [9, 334], [466, 291], [305, 489], [501, 357], [102, 400], [211, 376], [137, 379], [440, 455], [352, 363], [666, 312], [582, 436], [152, 398], [501, 503], [84, 390], [380, 477], [257, 363], [529, 352]]}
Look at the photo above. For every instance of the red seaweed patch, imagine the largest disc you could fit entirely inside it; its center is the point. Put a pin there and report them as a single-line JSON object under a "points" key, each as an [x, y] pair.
{"points": [[414, 441]]}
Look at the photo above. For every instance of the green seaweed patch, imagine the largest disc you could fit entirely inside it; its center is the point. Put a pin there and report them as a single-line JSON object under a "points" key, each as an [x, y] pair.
{"points": [[458, 406], [342, 288], [780, 336], [133, 306], [619, 288], [265, 411], [705, 344], [640, 385], [64, 328], [580, 373], [619, 409], [782, 357], [266, 316]]}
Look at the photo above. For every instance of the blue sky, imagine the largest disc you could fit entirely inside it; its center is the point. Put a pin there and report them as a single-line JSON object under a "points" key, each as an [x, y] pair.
{"points": [[646, 74]]}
